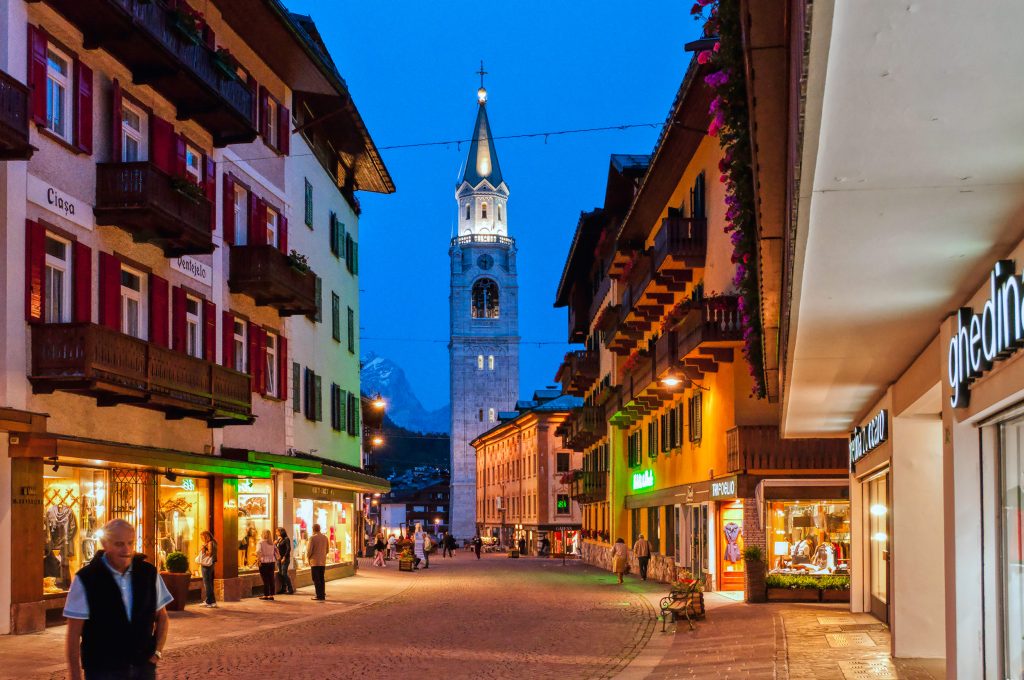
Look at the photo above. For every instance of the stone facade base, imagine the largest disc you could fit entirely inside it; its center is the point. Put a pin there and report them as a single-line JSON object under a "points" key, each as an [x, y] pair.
{"points": [[28, 617], [305, 577], [227, 589], [660, 568], [598, 554]]}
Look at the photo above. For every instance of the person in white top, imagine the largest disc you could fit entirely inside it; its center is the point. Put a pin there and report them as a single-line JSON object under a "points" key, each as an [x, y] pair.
{"points": [[266, 553]]}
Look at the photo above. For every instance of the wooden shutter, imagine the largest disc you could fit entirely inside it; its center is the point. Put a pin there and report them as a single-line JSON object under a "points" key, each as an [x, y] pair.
{"points": [[161, 144], [261, 338], [116, 113], [318, 398], [318, 291], [333, 234], [282, 233], [227, 339], [158, 302], [284, 130], [258, 224], [228, 205], [179, 155], [253, 343], [282, 367], [209, 331], [342, 239], [35, 272], [83, 107], [210, 187], [334, 406], [81, 265], [179, 325], [37, 47], [307, 394], [355, 258], [343, 406], [296, 388], [110, 291], [264, 114]]}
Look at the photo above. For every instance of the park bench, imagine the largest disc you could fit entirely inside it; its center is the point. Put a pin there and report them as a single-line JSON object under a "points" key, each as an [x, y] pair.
{"points": [[686, 599]]}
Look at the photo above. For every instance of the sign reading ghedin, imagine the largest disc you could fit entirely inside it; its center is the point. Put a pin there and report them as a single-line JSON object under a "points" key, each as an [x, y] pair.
{"points": [[864, 440], [981, 339], [643, 480]]}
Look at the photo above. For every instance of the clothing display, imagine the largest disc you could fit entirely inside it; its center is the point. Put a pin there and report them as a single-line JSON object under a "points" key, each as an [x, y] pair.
{"points": [[732, 549]]}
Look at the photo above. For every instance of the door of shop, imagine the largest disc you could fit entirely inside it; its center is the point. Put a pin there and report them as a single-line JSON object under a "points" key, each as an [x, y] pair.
{"points": [[697, 526], [879, 531]]}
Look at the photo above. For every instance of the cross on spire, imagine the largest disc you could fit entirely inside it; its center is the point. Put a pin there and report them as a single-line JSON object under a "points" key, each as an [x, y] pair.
{"points": [[482, 73]]}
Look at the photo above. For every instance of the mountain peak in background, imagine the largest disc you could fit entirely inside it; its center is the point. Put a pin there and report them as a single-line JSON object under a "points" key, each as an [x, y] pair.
{"points": [[382, 375]]}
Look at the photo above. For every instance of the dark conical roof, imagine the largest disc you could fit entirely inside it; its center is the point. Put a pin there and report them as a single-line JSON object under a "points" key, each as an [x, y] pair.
{"points": [[482, 163]]}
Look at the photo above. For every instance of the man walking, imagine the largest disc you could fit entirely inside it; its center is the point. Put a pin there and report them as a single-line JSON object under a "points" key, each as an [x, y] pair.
{"points": [[117, 621], [478, 543], [642, 553], [316, 557]]}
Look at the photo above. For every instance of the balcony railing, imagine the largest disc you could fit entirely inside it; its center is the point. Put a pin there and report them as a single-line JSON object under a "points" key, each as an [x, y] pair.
{"points": [[14, 144], [711, 319], [483, 238], [266, 275], [166, 52], [116, 368], [584, 428], [143, 200], [759, 447], [578, 371], [681, 244], [590, 487]]}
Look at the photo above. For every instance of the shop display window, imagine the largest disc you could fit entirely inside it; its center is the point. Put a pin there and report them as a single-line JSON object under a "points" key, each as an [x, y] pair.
{"points": [[74, 512], [809, 537], [730, 535], [336, 522], [1012, 547], [182, 513], [255, 504]]}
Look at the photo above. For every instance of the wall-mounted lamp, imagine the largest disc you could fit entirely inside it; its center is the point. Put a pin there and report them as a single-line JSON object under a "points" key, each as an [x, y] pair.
{"points": [[170, 476], [56, 463]]}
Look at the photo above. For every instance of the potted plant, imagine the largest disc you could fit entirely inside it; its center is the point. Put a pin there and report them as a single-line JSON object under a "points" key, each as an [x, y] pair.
{"points": [[791, 588], [688, 587], [298, 261], [177, 578], [753, 573], [186, 21], [226, 62], [405, 561], [187, 188], [834, 588]]}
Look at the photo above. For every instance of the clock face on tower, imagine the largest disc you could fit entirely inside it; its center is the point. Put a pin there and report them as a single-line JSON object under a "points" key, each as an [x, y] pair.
{"points": [[485, 262]]}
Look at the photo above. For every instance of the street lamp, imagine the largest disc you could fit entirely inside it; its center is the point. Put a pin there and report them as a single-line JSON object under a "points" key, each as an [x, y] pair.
{"points": [[378, 402], [377, 440]]}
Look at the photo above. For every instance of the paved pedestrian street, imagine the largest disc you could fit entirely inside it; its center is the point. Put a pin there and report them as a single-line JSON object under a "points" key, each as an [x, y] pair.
{"points": [[497, 618]]}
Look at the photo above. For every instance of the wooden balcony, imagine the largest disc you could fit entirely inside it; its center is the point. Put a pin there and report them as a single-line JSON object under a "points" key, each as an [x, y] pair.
{"points": [[14, 144], [143, 200], [578, 371], [163, 52], [265, 274], [758, 447], [590, 486], [584, 428], [114, 368], [679, 247]]}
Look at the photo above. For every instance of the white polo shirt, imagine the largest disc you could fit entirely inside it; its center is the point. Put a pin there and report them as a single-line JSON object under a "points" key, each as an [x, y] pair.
{"points": [[77, 604]]}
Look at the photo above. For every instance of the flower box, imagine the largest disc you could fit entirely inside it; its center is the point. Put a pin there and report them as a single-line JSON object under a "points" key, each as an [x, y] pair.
{"points": [[177, 585], [405, 564], [835, 595], [793, 594]]}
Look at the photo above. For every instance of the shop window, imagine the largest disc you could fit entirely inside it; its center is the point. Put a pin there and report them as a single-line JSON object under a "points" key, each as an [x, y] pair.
{"points": [[183, 512], [730, 539], [193, 327], [335, 520], [58, 89], [255, 503], [1011, 446], [634, 525], [75, 508], [809, 537], [134, 133], [58, 279], [133, 309]]}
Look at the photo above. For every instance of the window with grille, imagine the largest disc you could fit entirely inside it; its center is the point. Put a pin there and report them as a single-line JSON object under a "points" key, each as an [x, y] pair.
{"points": [[696, 407], [309, 204]]}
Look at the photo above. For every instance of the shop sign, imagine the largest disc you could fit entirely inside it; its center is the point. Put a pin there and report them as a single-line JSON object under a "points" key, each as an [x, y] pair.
{"points": [[864, 440], [724, 488], [322, 493], [643, 480], [189, 266], [188, 484], [982, 339], [44, 194]]}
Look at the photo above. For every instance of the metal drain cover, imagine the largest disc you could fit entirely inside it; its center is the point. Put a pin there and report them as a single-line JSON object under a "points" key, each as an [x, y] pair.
{"points": [[849, 640], [836, 620], [879, 669]]}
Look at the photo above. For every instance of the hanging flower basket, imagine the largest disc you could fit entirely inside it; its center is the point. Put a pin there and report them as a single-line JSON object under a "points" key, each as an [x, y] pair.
{"points": [[226, 63]]}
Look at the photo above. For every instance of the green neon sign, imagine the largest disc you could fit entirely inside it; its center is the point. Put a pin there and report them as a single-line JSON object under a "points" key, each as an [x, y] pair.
{"points": [[643, 480]]}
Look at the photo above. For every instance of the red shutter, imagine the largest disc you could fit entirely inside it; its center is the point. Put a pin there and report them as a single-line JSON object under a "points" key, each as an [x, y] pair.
{"points": [[264, 113], [282, 233], [254, 89], [35, 272], [179, 156], [283, 375], [83, 107], [258, 224], [158, 293], [262, 335], [253, 342], [110, 291], [116, 113], [179, 325], [227, 339], [210, 186], [228, 205], [161, 144], [284, 130], [81, 265], [209, 331], [37, 73], [250, 217]]}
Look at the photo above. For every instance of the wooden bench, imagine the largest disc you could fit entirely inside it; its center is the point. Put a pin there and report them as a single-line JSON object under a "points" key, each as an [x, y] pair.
{"points": [[688, 602]]}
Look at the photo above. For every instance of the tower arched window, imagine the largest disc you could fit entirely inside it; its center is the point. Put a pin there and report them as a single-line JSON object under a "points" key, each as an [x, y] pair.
{"points": [[468, 213], [480, 362], [483, 210], [490, 362], [498, 208], [485, 299], [490, 415]]}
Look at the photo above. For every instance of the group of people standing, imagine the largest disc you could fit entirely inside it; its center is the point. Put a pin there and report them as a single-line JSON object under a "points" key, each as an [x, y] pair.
{"points": [[423, 544]]}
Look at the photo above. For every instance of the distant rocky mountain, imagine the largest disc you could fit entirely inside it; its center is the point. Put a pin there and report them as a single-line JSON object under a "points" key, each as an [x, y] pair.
{"points": [[381, 375]]}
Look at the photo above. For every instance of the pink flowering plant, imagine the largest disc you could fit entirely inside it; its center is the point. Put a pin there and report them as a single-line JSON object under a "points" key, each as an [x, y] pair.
{"points": [[730, 123]]}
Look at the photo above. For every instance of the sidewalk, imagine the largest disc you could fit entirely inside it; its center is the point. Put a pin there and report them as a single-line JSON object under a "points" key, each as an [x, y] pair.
{"points": [[21, 654]]}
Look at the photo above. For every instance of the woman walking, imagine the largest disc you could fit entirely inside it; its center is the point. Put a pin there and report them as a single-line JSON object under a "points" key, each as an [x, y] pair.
{"points": [[620, 555], [266, 553], [417, 546], [378, 550], [284, 560], [208, 558]]}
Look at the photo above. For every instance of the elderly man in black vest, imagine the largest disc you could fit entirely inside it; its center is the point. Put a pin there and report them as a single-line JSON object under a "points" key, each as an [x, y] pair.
{"points": [[117, 621]]}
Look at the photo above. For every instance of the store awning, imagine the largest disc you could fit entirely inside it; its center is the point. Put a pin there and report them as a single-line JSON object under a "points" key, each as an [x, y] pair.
{"points": [[350, 478], [290, 463], [97, 452]]}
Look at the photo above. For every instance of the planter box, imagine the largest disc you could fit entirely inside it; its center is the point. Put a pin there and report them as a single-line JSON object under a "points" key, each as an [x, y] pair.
{"points": [[177, 584], [404, 565], [832, 595], [513, 554], [793, 594]]}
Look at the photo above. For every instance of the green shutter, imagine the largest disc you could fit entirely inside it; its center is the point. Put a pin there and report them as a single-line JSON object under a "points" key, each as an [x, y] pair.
{"points": [[318, 399], [296, 386], [335, 316], [351, 330], [342, 405], [332, 234], [309, 204], [355, 258], [342, 236], [319, 300]]}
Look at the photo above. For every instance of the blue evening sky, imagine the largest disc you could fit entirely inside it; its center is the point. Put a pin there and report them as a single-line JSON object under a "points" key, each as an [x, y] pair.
{"points": [[552, 66]]}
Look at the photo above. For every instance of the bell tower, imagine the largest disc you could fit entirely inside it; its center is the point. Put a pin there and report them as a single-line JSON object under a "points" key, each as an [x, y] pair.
{"points": [[483, 343]]}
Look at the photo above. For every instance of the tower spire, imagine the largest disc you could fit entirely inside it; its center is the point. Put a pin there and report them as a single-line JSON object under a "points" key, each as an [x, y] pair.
{"points": [[482, 163]]}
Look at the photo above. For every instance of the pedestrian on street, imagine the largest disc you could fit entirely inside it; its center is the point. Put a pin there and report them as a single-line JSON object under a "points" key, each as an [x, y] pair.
{"points": [[522, 546], [266, 553], [208, 558], [620, 555], [449, 545], [429, 546], [418, 539], [392, 542], [378, 550], [642, 553], [284, 560], [117, 621], [478, 543], [316, 558], [545, 546]]}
